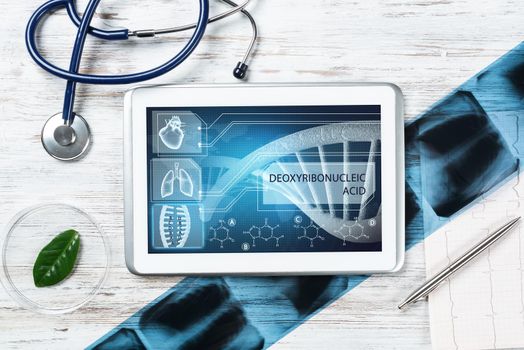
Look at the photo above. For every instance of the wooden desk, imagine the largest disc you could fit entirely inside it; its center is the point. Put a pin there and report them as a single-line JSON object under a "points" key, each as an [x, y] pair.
{"points": [[427, 47]]}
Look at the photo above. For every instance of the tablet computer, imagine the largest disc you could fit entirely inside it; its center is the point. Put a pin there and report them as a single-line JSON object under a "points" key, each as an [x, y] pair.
{"points": [[264, 179]]}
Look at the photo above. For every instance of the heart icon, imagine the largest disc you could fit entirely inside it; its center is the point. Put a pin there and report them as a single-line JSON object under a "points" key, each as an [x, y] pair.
{"points": [[172, 134]]}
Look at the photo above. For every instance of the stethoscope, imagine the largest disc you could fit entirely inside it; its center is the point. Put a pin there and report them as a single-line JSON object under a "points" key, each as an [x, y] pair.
{"points": [[66, 135]]}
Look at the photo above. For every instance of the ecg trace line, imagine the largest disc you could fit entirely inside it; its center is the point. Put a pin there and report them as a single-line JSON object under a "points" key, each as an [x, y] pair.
{"points": [[517, 193], [452, 302]]}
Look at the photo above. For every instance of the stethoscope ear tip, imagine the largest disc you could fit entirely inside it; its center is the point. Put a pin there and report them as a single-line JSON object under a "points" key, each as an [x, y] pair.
{"points": [[66, 142], [240, 70]]}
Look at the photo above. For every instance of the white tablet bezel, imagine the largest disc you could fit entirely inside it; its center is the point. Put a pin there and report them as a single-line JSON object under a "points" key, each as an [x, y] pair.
{"points": [[140, 261]]}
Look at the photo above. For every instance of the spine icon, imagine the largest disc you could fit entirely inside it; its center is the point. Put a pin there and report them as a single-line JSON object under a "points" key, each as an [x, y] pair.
{"points": [[174, 226]]}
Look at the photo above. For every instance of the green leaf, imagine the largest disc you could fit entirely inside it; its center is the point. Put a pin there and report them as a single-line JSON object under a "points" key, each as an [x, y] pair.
{"points": [[57, 259]]}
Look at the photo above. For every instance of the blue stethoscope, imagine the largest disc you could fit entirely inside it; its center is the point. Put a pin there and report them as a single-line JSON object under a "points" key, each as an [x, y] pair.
{"points": [[66, 135]]}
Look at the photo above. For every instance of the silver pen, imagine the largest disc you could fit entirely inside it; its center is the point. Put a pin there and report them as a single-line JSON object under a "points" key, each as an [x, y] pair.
{"points": [[436, 280]]}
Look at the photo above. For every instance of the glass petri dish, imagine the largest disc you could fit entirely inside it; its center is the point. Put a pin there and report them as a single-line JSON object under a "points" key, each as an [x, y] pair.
{"points": [[30, 231]]}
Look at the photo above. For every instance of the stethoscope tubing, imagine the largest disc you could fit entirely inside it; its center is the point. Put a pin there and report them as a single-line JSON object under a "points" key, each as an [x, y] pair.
{"points": [[116, 35], [76, 57], [152, 32]]}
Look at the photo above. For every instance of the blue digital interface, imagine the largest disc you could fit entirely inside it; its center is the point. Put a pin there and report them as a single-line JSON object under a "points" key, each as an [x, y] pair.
{"points": [[264, 179]]}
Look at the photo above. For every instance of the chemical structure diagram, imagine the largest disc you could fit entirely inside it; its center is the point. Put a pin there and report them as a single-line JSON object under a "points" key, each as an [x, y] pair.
{"points": [[310, 232], [265, 233], [355, 231], [220, 233]]}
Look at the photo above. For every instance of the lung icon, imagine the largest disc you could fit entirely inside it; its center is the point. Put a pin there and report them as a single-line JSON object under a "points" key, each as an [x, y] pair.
{"points": [[168, 184], [186, 184], [172, 135], [177, 178]]}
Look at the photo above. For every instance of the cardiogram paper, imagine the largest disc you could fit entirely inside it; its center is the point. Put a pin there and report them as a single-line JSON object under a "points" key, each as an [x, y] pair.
{"points": [[481, 306], [471, 146]]}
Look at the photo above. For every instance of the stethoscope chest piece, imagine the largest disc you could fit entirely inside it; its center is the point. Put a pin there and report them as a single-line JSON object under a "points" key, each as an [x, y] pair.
{"points": [[63, 141]]}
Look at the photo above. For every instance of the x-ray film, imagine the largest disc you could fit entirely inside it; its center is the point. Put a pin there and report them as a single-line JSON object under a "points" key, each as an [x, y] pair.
{"points": [[466, 145], [264, 179]]}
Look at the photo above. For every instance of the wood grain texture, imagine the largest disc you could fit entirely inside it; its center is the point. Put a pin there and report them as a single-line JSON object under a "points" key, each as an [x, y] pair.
{"points": [[427, 47]]}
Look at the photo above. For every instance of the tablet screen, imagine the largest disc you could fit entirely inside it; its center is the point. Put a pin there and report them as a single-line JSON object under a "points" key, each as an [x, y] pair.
{"points": [[264, 179]]}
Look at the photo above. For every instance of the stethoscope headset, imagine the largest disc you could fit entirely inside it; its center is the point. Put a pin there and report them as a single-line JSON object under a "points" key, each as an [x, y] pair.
{"points": [[66, 135]]}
